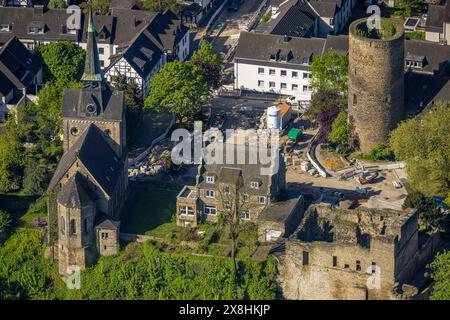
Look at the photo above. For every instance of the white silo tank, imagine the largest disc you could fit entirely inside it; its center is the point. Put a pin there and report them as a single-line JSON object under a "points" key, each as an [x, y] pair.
{"points": [[273, 118]]}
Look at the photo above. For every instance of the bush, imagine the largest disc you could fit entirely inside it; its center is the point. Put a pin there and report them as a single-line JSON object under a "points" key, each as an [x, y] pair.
{"points": [[429, 214], [441, 275], [5, 221]]}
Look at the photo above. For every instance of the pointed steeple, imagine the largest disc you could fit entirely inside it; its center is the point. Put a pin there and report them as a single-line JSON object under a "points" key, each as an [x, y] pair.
{"points": [[92, 70]]}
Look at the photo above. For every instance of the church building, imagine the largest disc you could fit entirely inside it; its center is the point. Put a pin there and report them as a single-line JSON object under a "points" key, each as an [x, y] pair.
{"points": [[91, 181]]}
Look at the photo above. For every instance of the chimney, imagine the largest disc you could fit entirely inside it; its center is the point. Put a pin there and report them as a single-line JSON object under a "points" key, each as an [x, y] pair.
{"points": [[286, 38], [38, 10]]}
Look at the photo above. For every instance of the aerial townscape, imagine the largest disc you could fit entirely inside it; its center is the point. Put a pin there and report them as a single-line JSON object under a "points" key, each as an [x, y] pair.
{"points": [[224, 150]]}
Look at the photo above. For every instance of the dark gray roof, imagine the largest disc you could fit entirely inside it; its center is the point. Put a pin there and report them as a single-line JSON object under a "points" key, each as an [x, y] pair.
{"points": [[336, 43], [280, 210], [265, 47], [230, 175], [422, 90], [97, 156], [295, 19], [75, 193], [436, 56], [436, 17], [108, 225], [324, 9], [110, 105], [18, 66]]}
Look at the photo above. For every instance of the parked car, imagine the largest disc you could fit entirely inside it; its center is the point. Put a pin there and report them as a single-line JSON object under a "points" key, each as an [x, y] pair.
{"points": [[292, 100]]}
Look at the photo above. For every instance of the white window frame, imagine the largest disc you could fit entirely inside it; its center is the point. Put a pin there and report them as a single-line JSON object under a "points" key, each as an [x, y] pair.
{"points": [[260, 83], [244, 215], [208, 210], [210, 194], [184, 211], [246, 197], [295, 74], [210, 179], [254, 185], [263, 198]]}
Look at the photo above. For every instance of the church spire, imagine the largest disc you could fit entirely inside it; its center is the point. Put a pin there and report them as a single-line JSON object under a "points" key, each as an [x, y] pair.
{"points": [[92, 70]]}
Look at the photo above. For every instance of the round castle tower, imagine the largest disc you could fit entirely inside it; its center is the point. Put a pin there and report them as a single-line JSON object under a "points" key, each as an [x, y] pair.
{"points": [[376, 81]]}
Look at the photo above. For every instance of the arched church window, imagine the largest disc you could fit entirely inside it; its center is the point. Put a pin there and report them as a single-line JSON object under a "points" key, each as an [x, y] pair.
{"points": [[74, 131], [73, 226], [85, 226], [63, 225]]}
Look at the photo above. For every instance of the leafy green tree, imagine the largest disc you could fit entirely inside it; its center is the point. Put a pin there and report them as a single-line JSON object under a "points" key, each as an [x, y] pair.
{"points": [[329, 72], [98, 6], [56, 4], [63, 61], [133, 102], [179, 88], [424, 144], [5, 221], [340, 132], [210, 62], [440, 272], [323, 101], [429, 214], [34, 178], [160, 5]]}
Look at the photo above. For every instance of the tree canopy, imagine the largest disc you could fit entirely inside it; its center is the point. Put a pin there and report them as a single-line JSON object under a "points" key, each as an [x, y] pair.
{"points": [[329, 72], [210, 62], [424, 144], [160, 5], [441, 275], [179, 88], [63, 61]]}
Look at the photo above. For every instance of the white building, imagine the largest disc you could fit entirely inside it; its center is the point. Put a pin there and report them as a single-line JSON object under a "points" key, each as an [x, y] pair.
{"points": [[437, 27], [275, 64]]}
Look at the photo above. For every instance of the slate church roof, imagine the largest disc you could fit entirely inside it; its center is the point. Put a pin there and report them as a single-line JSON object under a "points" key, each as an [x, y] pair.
{"points": [[93, 151], [76, 193]]}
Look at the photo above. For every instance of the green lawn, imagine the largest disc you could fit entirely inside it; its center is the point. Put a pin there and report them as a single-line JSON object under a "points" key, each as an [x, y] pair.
{"points": [[149, 210]]}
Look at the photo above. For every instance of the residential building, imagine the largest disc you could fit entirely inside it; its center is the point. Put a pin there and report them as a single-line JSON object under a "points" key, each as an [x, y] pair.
{"points": [[20, 75], [308, 18], [437, 27], [126, 37]]}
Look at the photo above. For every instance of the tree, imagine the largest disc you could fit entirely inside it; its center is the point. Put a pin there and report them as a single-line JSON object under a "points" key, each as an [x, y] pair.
{"points": [[340, 132], [160, 5], [325, 120], [63, 61], [424, 144], [440, 272], [56, 4], [5, 221], [323, 101], [34, 178], [133, 102], [329, 72], [210, 62], [98, 6], [179, 88], [429, 214]]}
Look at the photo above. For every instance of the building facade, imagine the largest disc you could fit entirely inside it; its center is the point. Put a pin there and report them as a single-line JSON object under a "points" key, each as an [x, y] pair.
{"points": [[91, 181]]}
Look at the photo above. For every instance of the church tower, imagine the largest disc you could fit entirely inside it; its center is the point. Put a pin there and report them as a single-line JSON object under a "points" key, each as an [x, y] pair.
{"points": [[91, 181]]}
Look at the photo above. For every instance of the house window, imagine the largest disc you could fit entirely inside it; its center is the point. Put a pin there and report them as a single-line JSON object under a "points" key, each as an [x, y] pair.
{"points": [[374, 267], [210, 194], [254, 185], [101, 50], [334, 261], [305, 75], [262, 200], [226, 189], [305, 258], [102, 63], [260, 70], [73, 226], [283, 73], [271, 84], [272, 72], [295, 87], [358, 265], [185, 210], [294, 74], [283, 85], [210, 179], [105, 235], [245, 197], [305, 89], [261, 83], [346, 266], [244, 215], [210, 210], [4, 28], [355, 99]]}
